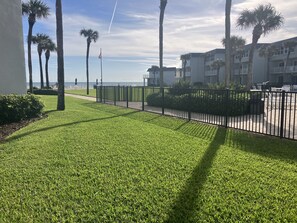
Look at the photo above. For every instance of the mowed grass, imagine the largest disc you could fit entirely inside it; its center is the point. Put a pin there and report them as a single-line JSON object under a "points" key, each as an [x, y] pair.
{"points": [[99, 163], [83, 92]]}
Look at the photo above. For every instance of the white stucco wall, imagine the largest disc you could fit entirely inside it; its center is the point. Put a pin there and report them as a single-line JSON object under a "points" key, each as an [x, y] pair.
{"points": [[12, 60]]}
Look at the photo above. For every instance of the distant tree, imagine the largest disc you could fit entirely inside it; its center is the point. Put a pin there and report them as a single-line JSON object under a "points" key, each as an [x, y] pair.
{"points": [[41, 40], [290, 46], [60, 54], [34, 9], [163, 4], [263, 19], [184, 59], [48, 47], [217, 64], [227, 43], [237, 44], [91, 35], [267, 51]]}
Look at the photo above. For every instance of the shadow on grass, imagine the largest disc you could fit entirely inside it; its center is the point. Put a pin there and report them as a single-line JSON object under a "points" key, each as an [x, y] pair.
{"points": [[62, 125], [185, 205], [267, 146]]}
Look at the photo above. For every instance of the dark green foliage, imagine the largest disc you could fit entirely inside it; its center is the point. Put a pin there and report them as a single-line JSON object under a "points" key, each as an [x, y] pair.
{"points": [[208, 102], [45, 92], [14, 108], [180, 88]]}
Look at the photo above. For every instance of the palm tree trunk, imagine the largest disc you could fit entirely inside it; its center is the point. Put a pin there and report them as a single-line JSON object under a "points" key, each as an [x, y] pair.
{"points": [[162, 11], [228, 44], [41, 71], [60, 53], [87, 66], [250, 64], [47, 56], [29, 57]]}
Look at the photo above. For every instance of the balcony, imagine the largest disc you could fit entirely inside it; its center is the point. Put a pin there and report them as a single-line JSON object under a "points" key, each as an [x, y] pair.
{"points": [[210, 73], [279, 70]]}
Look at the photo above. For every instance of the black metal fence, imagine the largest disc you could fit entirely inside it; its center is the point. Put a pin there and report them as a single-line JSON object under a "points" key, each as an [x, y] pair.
{"points": [[265, 112]]}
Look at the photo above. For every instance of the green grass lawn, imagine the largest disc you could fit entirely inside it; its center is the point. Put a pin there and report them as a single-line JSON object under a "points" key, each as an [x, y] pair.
{"points": [[99, 163], [83, 92]]}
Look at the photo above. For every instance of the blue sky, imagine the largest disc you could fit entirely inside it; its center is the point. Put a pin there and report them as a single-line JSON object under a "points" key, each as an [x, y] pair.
{"points": [[132, 44]]}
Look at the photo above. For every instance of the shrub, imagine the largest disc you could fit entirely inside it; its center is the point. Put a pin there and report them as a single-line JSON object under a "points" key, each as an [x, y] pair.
{"points": [[180, 88], [14, 108], [45, 92], [208, 102]]}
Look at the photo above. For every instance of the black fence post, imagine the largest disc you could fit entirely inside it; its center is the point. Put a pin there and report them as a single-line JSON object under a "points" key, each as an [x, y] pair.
{"points": [[100, 94], [115, 95], [143, 98], [227, 99], [104, 94], [97, 94], [190, 104], [127, 96], [281, 134], [163, 100]]}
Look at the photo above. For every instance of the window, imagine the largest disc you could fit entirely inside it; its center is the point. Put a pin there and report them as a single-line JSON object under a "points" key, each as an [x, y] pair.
{"points": [[281, 64]]}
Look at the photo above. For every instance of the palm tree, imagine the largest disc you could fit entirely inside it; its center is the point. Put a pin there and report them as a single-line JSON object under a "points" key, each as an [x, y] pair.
{"points": [[163, 4], [263, 19], [267, 51], [40, 40], [34, 9], [290, 46], [91, 36], [217, 64], [48, 47], [237, 44], [60, 54], [184, 59], [227, 43]]}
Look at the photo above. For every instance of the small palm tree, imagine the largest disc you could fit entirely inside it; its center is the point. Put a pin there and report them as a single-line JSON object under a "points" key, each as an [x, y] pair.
{"points": [[290, 46], [267, 51], [34, 9], [48, 47], [263, 19], [91, 35], [217, 64], [60, 54], [40, 40], [163, 4], [237, 44]]}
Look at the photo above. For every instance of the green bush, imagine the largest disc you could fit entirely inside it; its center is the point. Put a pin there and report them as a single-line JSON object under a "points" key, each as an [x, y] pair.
{"points": [[14, 108], [180, 88], [207, 102], [45, 92]]}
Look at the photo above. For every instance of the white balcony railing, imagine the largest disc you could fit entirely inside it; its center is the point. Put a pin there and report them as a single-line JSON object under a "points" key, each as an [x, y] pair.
{"points": [[210, 73], [289, 69]]}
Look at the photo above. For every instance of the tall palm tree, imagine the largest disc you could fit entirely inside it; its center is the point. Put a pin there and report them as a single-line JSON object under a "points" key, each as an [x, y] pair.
{"points": [[237, 44], [267, 51], [227, 43], [263, 19], [60, 55], [48, 47], [91, 35], [34, 9], [40, 40], [290, 46], [217, 64], [163, 4]]}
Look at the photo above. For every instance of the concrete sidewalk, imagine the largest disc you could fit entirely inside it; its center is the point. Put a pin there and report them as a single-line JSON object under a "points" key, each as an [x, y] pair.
{"points": [[81, 97]]}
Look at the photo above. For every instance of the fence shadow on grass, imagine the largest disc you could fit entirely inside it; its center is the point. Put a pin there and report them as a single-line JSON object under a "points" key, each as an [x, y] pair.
{"points": [[185, 205]]}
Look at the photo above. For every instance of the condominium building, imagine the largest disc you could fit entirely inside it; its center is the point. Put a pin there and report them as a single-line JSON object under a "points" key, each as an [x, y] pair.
{"points": [[12, 61], [153, 78], [192, 67], [214, 66]]}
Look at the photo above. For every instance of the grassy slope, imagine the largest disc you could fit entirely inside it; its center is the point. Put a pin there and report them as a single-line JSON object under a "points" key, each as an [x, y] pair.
{"points": [[98, 163]]}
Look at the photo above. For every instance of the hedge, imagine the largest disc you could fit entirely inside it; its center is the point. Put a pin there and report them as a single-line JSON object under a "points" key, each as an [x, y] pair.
{"points": [[14, 108], [214, 103]]}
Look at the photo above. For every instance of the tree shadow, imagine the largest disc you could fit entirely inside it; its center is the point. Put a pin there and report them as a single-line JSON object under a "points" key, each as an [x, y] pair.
{"points": [[185, 205], [18, 136]]}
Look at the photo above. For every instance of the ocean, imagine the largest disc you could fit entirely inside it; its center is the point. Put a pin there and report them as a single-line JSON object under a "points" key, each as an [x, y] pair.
{"points": [[83, 85]]}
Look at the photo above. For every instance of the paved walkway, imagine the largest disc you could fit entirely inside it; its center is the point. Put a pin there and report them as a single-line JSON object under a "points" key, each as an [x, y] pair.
{"points": [[81, 97]]}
